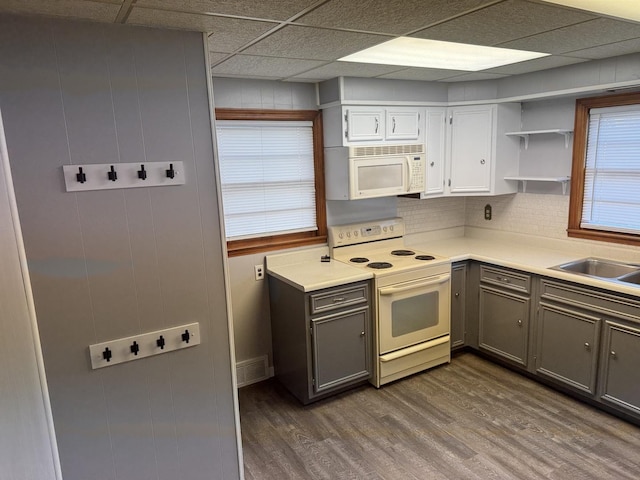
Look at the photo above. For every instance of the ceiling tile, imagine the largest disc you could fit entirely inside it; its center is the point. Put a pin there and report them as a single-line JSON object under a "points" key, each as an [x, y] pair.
{"points": [[265, 9], [227, 34], [348, 69], [313, 43], [503, 22], [252, 66], [578, 37], [543, 63], [424, 74], [97, 11], [609, 50], [215, 57], [386, 16]]}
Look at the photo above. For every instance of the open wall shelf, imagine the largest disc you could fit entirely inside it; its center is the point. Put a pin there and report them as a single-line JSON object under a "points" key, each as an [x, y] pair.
{"points": [[526, 134], [564, 180]]}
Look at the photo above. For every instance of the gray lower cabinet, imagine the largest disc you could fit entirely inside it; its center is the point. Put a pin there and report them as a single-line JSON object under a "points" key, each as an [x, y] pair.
{"points": [[321, 339], [458, 304], [568, 346], [620, 380], [503, 328]]}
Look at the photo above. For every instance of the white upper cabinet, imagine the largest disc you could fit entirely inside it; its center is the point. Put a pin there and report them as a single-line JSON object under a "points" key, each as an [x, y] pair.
{"points": [[374, 125], [435, 135], [364, 124], [479, 154], [403, 123]]}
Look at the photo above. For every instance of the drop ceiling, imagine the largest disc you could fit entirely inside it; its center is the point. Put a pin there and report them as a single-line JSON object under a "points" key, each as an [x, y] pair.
{"points": [[301, 40]]}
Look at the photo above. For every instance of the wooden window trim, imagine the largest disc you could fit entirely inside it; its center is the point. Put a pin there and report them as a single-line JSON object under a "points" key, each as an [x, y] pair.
{"points": [[581, 127], [278, 242]]}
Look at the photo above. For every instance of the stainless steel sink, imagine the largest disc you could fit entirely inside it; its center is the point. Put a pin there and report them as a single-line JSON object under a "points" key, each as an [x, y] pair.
{"points": [[631, 278], [597, 267]]}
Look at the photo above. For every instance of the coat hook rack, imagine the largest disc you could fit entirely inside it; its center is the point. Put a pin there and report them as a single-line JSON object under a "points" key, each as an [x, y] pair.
{"points": [[142, 173], [81, 176], [171, 172], [112, 174]]}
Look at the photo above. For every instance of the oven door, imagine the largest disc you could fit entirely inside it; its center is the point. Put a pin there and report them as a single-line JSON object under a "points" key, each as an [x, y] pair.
{"points": [[413, 312]]}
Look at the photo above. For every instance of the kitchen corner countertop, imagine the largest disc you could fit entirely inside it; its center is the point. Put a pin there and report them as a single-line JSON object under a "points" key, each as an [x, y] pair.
{"points": [[520, 256], [304, 270]]}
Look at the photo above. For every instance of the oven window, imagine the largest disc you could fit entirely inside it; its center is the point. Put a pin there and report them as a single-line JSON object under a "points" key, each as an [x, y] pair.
{"points": [[413, 314], [379, 177]]}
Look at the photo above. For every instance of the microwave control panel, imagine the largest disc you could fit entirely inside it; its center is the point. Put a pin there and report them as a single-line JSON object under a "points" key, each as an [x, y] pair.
{"points": [[417, 164]]}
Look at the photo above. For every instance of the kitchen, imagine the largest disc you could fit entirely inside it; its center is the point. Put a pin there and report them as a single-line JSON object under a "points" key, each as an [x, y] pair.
{"points": [[541, 213]]}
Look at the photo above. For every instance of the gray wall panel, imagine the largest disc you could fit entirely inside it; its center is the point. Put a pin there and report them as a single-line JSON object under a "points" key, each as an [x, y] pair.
{"points": [[115, 263]]}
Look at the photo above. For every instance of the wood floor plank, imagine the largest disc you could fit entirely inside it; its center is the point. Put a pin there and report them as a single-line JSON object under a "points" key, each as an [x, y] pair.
{"points": [[471, 419]]}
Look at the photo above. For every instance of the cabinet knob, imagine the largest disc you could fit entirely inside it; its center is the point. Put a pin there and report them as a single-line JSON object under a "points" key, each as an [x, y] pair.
{"points": [[457, 294], [519, 322], [432, 163], [613, 354], [362, 334], [482, 162], [587, 346]]}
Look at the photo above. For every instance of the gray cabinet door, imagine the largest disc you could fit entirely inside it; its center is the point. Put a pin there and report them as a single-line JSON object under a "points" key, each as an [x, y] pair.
{"points": [[567, 348], [504, 324], [458, 298], [340, 348], [621, 367]]}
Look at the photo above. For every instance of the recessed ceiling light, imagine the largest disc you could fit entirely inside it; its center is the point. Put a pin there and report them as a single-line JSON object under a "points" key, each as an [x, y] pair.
{"points": [[628, 9], [419, 52]]}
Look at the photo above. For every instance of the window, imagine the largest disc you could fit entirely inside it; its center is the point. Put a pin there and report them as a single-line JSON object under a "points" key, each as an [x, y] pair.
{"points": [[605, 189], [272, 178]]}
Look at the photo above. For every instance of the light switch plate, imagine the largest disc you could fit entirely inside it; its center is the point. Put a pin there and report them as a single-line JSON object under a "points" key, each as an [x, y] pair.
{"points": [[120, 349]]}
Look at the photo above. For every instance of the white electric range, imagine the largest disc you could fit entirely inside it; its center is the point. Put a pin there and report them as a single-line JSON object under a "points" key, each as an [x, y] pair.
{"points": [[411, 301]]}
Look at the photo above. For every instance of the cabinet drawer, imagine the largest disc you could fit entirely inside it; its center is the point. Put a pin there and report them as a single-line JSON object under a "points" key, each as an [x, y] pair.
{"points": [[335, 298], [518, 282]]}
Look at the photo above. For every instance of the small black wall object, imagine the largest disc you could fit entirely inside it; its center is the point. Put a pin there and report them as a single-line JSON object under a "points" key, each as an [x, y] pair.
{"points": [[135, 348], [142, 173], [81, 176], [171, 172], [112, 174], [107, 354], [186, 336], [160, 342]]}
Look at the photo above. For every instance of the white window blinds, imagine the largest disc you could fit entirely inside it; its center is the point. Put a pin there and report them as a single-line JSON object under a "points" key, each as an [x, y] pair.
{"points": [[267, 176], [612, 176]]}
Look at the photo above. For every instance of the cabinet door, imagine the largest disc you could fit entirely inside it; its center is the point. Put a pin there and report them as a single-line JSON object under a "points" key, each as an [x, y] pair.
{"points": [[364, 124], [470, 149], [435, 149], [341, 351], [504, 324], [621, 367], [568, 348], [458, 296], [403, 124]]}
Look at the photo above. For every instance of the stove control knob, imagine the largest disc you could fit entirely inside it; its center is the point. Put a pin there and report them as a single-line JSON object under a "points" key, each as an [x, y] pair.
{"points": [[391, 228], [355, 233], [340, 235], [348, 234], [384, 228]]}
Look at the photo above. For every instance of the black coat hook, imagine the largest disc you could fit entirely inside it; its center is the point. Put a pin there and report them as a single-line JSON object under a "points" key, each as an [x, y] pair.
{"points": [[112, 174], [142, 173], [81, 176], [171, 172]]}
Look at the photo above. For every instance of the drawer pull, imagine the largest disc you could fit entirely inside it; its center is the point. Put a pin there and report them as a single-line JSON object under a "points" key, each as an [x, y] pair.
{"points": [[503, 279], [338, 299]]}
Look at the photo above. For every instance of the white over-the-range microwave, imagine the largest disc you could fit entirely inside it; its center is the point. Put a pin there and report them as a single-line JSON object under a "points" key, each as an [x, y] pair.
{"points": [[371, 171]]}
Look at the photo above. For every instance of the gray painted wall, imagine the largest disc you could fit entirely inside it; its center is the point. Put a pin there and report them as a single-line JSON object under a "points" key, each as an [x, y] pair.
{"points": [[27, 444], [110, 264]]}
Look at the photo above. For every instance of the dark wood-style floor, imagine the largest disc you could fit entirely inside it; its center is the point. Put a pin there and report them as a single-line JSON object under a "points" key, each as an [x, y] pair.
{"points": [[470, 419]]}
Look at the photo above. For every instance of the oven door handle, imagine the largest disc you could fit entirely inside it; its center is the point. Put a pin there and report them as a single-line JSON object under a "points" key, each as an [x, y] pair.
{"points": [[413, 286], [414, 349]]}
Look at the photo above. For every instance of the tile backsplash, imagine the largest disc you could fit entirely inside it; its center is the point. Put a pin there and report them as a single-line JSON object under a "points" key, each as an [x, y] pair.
{"points": [[433, 214]]}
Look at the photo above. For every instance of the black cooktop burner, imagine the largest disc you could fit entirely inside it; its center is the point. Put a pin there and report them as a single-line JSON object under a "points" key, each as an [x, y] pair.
{"points": [[425, 257], [379, 265], [402, 253], [359, 260]]}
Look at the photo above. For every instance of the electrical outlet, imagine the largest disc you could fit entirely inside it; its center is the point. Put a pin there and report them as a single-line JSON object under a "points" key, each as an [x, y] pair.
{"points": [[487, 212], [259, 269]]}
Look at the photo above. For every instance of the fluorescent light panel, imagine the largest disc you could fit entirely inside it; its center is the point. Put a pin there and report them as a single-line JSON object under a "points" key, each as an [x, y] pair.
{"points": [[419, 52], [629, 9]]}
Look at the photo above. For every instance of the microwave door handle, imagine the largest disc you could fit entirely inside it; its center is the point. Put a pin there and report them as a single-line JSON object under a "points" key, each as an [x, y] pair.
{"points": [[408, 175], [392, 290]]}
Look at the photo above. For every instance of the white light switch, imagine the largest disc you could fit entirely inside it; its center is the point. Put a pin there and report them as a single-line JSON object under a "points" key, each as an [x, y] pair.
{"points": [[144, 345]]}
